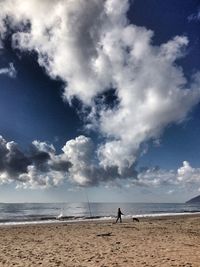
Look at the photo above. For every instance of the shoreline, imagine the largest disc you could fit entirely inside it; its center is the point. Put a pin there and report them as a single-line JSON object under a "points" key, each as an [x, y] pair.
{"points": [[97, 219], [159, 241]]}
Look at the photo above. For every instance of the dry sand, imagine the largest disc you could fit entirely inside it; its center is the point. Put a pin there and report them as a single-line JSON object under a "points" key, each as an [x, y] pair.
{"points": [[151, 242]]}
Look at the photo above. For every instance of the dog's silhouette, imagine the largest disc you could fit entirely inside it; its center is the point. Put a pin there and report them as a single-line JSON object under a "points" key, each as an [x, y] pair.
{"points": [[135, 220]]}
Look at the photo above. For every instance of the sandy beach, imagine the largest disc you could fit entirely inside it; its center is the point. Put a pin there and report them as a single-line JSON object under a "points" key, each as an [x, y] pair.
{"points": [[170, 241]]}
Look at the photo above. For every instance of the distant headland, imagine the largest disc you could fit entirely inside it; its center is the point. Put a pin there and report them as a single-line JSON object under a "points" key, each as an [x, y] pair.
{"points": [[194, 200]]}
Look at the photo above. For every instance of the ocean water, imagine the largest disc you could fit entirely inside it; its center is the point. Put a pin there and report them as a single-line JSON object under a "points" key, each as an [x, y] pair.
{"points": [[18, 213]]}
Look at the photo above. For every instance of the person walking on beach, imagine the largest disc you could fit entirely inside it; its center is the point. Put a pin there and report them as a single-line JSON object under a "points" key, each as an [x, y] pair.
{"points": [[119, 217]]}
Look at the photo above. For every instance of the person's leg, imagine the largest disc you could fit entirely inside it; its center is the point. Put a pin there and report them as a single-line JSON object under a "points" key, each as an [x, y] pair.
{"points": [[117, 219], [120, 219]]}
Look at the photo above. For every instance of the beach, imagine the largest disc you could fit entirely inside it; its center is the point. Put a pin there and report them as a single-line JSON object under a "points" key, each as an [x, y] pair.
{"points": [[166, 241]]}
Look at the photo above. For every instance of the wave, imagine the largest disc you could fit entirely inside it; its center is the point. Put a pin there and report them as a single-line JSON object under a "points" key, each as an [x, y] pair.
{"points": [[72, 219]]}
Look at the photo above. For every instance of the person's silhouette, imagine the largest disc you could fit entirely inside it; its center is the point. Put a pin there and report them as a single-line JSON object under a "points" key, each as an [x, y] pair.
{"points": [[119, 217]]}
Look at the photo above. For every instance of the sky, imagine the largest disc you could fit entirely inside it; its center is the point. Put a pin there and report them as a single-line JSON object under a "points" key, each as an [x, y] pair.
{"points": [[101, 98]]}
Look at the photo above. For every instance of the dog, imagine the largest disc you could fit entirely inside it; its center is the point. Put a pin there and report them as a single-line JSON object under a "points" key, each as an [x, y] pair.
{"points": [[135, 220]]}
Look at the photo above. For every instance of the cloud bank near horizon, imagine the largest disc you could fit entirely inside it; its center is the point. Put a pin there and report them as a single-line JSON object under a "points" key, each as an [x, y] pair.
{"points": [[184, 177], [104, 51], [42, 167]]}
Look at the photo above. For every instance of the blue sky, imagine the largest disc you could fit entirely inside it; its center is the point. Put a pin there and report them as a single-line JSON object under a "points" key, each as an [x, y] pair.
{"points": [[100, 97]]}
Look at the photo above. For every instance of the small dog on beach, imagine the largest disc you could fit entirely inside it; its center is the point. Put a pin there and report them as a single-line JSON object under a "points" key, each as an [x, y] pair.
{"points": [[135, 219]]}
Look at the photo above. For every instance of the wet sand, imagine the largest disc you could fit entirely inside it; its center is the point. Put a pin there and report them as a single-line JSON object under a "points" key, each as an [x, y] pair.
{"points": [[171, 241]]}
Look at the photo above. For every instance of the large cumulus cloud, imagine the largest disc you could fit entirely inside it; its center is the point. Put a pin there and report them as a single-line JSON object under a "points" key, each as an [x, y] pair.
{"points": [[86, 169], [92, 47]]}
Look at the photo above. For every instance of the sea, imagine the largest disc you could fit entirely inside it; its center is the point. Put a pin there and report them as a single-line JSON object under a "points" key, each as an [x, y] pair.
{"points": [[33, 213]]}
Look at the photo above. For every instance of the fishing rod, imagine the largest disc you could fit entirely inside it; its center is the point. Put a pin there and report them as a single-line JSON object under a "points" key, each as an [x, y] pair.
{"points": [[88, 203]]}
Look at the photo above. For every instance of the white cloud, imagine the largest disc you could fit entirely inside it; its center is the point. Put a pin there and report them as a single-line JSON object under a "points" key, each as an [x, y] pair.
{"points": [[39, 167], [91, 46], [170, 192], [185, 177], [188, 175], [194, 16], [80, 152], [156, 177], [10, 71], [38, 179], [85, 170], [152, 92]]}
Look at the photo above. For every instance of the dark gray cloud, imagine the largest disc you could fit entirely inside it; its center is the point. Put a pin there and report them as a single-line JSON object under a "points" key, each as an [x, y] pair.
{"points": [[30, 167], [12, 160], [100, 175]]}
